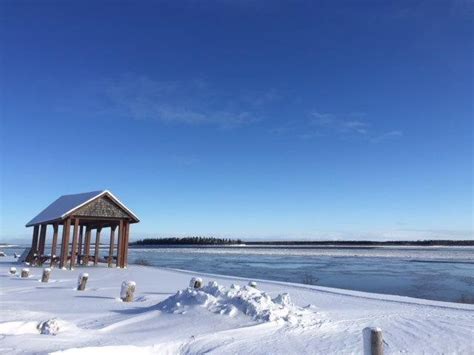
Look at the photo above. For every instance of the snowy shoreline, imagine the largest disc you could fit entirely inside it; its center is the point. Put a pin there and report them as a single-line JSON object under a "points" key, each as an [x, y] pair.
{"points": [[329, 320]]}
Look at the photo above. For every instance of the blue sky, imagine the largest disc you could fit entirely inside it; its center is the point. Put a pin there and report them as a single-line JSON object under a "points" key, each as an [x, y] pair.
{"points": [[257, 119]]}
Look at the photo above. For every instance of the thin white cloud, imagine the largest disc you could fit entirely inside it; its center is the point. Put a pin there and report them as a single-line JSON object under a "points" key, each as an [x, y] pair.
{"points": [[175, 102], [387, 136], [331, 123]]}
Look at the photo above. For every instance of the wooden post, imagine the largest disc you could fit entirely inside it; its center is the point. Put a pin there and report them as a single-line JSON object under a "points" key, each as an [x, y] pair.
{"points": [[79, 245], [34, 245], [42, 240], [25, 273], [65, 243], [82, 281], [111, 246], [127, 291], [125, 244], [119, 244], [54, 244], [373, 341], [74, 244], [97, 243], [46, 274], [87, 246]]}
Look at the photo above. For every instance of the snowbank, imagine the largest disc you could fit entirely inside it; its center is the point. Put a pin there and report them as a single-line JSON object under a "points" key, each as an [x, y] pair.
{"points": [[231, 301]]}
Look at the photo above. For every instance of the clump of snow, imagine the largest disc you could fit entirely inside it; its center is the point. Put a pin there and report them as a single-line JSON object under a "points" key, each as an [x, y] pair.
{"points": [[49, 327], [236, 300], [253, 284], [13, 270]]}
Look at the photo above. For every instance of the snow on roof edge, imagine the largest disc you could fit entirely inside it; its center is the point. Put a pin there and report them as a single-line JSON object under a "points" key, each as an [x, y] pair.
{"points": [[49, 214]]}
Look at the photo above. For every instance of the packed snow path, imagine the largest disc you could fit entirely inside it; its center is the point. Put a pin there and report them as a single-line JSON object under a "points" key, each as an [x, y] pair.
{"points": [[161, 320]]}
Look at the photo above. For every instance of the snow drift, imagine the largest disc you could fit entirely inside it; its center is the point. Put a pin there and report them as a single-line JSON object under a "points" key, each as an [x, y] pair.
{"points": [[237, 300]]}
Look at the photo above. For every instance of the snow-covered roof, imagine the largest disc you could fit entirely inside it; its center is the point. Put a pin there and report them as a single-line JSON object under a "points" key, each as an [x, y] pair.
{"points": [[67, 204]]}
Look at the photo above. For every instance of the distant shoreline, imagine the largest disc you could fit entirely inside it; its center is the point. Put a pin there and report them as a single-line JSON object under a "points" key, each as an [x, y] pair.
{"points": [[338, 244]]}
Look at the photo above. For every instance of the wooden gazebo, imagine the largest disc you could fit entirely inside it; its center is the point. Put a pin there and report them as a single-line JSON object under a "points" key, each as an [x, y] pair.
{"points": [[85, 213]]}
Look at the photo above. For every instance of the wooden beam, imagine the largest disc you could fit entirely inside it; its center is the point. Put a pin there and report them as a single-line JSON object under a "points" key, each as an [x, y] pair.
{"points": [[54, 244], [42, 239], [74, 244], [79, 245], [34, 241], [125, 244], [111, 246], [119, 244], [87, 246], [65, 243], [97, 242]]}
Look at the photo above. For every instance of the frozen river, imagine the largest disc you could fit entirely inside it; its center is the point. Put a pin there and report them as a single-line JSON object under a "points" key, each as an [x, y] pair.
{"points": [[437, 273]]}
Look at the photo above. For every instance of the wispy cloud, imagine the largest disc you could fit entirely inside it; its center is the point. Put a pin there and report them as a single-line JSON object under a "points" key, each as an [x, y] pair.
{"points": [[354, 124], [192, 102], [330, 122], [386, 136]]}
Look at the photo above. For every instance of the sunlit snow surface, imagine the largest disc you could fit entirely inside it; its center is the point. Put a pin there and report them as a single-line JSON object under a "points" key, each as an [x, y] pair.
{"points": [[275, 318]]}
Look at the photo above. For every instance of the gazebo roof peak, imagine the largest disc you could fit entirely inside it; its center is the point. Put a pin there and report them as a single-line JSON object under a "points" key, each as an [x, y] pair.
{"points": [[67, 204]]}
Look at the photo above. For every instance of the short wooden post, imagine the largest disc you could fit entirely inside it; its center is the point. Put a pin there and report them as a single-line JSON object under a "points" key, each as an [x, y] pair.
{"points": [[46, 274], [54, 245], [127, 291], [82, 281], [110, 259], [97, 244], [13, 271], [25, 273], [74, 244], [373, 341], [196, 282]]}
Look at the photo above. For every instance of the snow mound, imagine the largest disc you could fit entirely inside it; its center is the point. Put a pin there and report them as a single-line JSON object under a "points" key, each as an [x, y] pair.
{"points": [[236, 300]]}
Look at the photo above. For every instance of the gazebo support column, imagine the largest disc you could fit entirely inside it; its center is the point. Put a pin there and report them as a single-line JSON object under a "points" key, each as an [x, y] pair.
{"points": [[119, 244], [87, 246], [125, 244], [42, 241], [79, 246], [54, 244], [74, 244], [34, 244], [65, 243], [110, 259], [97, 243]]}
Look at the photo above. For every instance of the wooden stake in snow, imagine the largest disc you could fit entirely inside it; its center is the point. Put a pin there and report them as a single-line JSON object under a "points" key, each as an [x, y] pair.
{"points": [[127, 291], [46, 274], [373, 341], [196, 282], [13, 270], [82, 281], [25, 273]]}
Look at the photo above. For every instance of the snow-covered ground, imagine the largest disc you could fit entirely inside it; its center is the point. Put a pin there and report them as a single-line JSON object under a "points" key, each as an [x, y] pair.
{"points": [[223, 317]]}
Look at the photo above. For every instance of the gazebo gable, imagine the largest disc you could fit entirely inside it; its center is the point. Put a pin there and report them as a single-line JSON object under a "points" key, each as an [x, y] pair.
{"points": [[104, 206]]}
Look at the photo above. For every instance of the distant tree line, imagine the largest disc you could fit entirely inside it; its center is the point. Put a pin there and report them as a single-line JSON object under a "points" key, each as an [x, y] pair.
{"points": [[369, 243], [187, 241]]}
